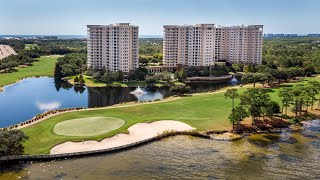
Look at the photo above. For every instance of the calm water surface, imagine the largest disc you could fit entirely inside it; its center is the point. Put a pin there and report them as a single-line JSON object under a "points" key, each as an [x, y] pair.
{"points": [[280, 156], [24, 100]]}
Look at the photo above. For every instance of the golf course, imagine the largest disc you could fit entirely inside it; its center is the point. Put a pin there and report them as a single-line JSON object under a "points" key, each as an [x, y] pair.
{"points": [[44, 66], [207, 111]]}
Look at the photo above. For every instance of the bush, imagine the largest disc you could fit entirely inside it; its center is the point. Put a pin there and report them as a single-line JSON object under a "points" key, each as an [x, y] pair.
{"points": [[76, 79], [181, 89], [11, 142]]}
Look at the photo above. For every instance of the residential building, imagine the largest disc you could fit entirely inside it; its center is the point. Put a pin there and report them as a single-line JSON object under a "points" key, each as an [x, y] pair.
{"points": [[205, 44], [114, 47]]}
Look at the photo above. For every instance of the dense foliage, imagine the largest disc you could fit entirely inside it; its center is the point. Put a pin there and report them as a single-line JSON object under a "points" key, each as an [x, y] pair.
{"points": [[11, 142], [257, 103], [70, 64], [22, 58], [150, 51]]}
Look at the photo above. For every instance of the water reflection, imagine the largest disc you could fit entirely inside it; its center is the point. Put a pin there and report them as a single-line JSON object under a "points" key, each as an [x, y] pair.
{"points": [[36, 95], [42, 106]]}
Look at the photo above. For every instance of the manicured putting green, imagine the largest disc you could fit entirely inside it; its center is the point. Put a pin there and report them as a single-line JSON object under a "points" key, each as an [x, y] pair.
{"points": [[90, 126]]}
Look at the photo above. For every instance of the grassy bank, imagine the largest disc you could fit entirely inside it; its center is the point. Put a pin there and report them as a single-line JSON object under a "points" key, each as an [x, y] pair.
{"points": [[90, 82], [204, 112], [43, 67]]}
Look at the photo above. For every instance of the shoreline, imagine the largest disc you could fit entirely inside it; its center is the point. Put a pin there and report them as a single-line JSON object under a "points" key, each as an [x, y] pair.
{"points": [[52, 157], [44, 74], [21, 79]]}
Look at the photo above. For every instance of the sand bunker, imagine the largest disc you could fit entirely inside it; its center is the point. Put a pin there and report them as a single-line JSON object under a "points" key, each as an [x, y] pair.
{"points": [[6, 51], [137, 132]]}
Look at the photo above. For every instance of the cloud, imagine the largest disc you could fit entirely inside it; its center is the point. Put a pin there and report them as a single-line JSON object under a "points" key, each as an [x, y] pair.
{"points": [[48, 106]]}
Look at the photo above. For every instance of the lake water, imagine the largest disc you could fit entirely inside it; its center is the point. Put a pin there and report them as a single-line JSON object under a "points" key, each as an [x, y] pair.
{"points": [[266, 156], [24, 100]]}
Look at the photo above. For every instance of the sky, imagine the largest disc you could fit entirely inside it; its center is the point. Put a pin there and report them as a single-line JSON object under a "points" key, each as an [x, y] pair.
{"points": [[70, 17]]}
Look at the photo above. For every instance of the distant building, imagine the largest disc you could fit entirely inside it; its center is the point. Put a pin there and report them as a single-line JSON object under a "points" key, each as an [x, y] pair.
{"points": [[205, 44], [271, 36], [313, 35], [115, 47]]}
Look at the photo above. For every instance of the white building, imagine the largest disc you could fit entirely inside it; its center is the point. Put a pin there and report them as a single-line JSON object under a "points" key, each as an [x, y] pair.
{"points": [[204, 44], [115, 47]]}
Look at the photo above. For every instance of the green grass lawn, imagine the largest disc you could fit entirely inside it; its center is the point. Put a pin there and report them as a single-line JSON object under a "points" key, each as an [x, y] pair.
{"points": [[30, 46], [204, 112], [91, 126], [43, 67]]}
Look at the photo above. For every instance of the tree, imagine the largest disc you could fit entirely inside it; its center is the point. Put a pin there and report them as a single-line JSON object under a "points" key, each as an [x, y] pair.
{"points": [[76, 79], [57, 71], [313, 89], [181, 75], [138, 74], [297, 92], [151, 80], [286, 95], [238, 67], [232, 94], [11, 142], [272, 108], [249, 78], [180, 88], [256, 100], [237, 115], [81, 79]]}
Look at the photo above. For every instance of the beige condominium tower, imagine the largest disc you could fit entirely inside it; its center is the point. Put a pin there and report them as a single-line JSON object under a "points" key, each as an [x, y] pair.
{"points": [[205, 44], [114, 47]]}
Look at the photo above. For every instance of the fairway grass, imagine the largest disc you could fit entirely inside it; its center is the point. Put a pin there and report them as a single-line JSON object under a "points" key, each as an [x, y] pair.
{"points": [[30, 46], [91, 126], [205, 112], [43, 67]]}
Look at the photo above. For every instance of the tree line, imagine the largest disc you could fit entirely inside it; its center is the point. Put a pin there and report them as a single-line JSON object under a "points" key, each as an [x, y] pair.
{"points": [[257, 103]]}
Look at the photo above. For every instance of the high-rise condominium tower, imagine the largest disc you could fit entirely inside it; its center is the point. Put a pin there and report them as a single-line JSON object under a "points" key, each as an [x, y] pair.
{"points": [[204, 44], [114, 47]]}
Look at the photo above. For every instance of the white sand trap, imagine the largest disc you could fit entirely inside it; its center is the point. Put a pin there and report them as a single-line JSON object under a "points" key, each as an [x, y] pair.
{"points": [[137, 132]]}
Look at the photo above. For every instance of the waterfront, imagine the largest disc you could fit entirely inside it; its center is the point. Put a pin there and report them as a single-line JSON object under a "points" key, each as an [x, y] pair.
{"points": [[33, 96], [266, 156]]}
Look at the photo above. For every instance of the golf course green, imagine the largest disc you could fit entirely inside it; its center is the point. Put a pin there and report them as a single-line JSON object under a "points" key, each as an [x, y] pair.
{"points": [[208, 111], [90, 126]]}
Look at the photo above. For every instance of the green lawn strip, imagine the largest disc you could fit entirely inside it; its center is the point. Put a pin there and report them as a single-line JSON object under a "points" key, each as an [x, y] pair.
{"points": [[43, 67], [204, 112]]}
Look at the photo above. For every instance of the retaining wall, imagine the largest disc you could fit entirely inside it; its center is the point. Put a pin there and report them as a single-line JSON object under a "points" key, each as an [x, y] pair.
{"points": [[47, 157]]}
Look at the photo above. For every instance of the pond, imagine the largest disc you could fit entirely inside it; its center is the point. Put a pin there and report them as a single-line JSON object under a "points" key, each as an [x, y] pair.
{"points": [[264, 156], [29, 97]]}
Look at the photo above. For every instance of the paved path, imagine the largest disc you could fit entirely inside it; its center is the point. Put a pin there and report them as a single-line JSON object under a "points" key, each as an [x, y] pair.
{"points": [[6, 51]]}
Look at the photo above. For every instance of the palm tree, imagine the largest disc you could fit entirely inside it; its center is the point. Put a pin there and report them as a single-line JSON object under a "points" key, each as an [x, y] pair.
{"points": [[232, 94]]}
